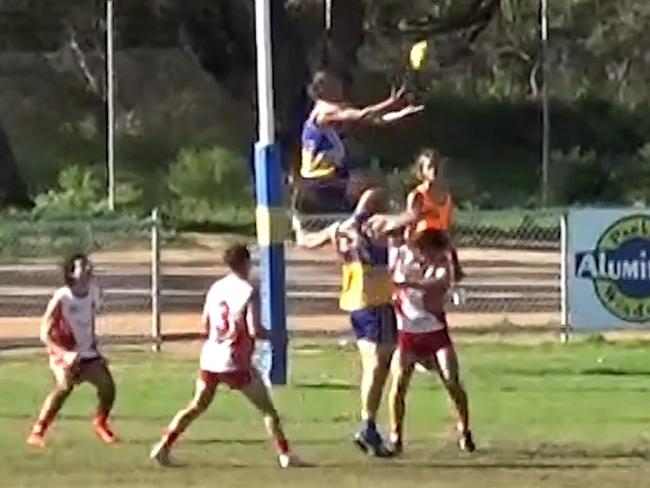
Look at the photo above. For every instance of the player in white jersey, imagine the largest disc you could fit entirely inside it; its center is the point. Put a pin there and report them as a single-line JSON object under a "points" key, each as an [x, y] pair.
{"points": [[421, 273], [231, 320], [68, 332]]}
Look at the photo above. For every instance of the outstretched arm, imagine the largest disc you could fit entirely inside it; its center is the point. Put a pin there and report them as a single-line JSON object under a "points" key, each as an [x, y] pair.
{"points": [[316, 240], [386, 223], [397, 115], [341, 114]]}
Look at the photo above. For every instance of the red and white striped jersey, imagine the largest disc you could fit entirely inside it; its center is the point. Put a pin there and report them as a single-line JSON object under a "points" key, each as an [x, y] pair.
{"points": [[417, 310], [73, 325], [226, 313]]}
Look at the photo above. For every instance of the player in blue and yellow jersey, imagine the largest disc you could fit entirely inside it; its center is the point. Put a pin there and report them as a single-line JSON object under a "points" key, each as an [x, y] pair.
{"points": [[366, 293], [324, 156]]}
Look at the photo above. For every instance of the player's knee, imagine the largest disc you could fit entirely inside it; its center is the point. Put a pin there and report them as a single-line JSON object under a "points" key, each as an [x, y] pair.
{"points": [[203, 401], [62, 390], [376, 366], [385, 355], [199, 406], [271, 418], [400, 384], [452, 383]]}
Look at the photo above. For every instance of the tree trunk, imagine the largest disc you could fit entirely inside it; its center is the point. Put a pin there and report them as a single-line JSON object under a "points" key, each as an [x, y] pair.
{"points": [[221, 36], [13, 191]]}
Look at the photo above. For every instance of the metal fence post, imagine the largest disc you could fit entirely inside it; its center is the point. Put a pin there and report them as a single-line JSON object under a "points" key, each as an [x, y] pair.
{"points": [[110, 106], [564, 297], [546, 118], [155, 281]]}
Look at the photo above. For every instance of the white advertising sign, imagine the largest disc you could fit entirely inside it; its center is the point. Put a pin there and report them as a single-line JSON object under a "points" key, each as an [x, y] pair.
{"points": [[608, 268]]}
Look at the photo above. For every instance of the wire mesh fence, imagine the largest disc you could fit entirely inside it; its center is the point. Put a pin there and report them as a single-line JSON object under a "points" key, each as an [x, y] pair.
{"points": [[30, 258], [511, 259]]}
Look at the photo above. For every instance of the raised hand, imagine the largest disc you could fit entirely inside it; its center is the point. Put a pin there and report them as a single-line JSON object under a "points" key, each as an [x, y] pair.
{"points": [[397, 94], [403, 113]]}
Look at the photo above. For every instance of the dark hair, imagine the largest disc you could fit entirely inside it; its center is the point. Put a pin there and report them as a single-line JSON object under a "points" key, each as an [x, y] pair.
{"points": [[429, 153], [358, 185], [432, 239], [69, 264], [235, 256], [316, 87]]}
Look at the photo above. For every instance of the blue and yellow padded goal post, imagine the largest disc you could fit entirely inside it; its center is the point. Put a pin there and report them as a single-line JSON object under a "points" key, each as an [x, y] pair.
{"points": [[272, 227]]}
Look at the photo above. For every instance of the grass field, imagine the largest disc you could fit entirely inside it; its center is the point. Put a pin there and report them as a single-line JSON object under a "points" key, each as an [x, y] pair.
{"points": [[546, 415]]}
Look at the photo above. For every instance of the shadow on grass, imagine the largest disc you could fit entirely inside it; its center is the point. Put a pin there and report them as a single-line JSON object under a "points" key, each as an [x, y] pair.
{"points": [[613, 372], [505, 465], [255, 442], [567, 451], [240, 442], [568, 388], [599, 371], [474, 463], [326, 386], [390, 464]]}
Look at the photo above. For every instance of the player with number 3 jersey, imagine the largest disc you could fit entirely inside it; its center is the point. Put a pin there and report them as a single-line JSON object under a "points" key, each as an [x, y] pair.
{"points": [[231, 320]]}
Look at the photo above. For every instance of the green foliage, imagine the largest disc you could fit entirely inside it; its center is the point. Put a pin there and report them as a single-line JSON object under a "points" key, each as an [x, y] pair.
{"points": [[80, 193], [616, 179], [588, 177], [210, 185], [483, 76], [635, 178], [29, 236]]}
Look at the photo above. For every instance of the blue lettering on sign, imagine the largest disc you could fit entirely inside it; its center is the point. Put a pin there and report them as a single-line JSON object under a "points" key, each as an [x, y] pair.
{"points": [[628, 266], [619, 268]]}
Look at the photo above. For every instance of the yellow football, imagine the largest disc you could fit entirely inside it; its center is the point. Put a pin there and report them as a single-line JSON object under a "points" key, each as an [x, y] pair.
{"points": [[418, 54]]}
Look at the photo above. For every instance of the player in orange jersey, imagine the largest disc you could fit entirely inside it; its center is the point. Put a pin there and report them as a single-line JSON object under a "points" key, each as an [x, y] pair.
{"points": [[430, 204], [68, 332], [421, 275], [428, 207], [231, 320]]}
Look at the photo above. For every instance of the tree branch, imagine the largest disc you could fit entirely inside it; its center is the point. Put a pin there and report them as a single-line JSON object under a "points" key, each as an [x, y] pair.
{"points": [[82, 63], [532, 80], [480, 12]]}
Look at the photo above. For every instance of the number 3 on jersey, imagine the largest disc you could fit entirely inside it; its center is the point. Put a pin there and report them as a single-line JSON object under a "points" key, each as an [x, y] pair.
{"points": [[224, 324]]}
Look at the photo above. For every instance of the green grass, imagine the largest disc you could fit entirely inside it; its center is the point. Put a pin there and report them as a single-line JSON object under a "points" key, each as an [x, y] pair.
{"points": [[546, 415]]}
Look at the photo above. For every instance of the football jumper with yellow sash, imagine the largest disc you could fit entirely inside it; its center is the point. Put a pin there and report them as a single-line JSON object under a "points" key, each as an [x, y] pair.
{"points": [[323, 152], [366, 285]]}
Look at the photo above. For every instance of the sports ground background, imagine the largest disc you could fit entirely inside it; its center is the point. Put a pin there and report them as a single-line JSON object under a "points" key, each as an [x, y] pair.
{"points": [[506, 291]]}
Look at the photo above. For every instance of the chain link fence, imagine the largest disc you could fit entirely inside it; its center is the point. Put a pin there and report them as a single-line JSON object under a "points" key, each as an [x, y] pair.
{"points": [[31, 253], [511, 258], [512, 261]]}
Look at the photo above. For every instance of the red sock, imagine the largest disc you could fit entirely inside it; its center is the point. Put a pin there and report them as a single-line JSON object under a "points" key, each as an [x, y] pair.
{"points": [[42, 423], [39, 427], [101, 416], [281, 445]]}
